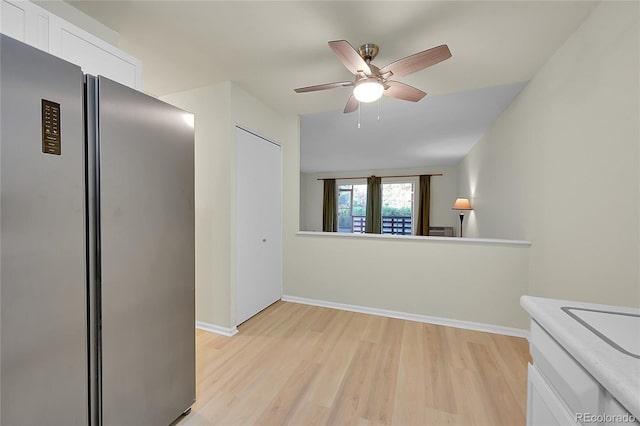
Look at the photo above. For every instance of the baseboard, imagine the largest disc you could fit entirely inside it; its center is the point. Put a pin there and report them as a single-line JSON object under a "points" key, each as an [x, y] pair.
{"points": [[467, 325], [217, 329]]}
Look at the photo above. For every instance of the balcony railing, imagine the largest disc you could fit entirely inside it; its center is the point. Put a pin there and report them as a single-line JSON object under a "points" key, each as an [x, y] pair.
{"points": [[397, 225]]}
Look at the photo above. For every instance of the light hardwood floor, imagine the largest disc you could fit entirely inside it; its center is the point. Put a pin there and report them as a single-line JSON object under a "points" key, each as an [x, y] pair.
{"points": [[304, 365]]}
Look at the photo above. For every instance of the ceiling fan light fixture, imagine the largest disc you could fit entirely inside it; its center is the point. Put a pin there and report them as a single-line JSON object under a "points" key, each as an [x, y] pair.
{"points": [[372, 82], [368, 90]]}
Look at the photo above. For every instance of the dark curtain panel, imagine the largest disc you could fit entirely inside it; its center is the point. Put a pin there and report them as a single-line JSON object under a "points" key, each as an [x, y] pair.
{"points": [[424, 202], [373, 223], [329, 207]]}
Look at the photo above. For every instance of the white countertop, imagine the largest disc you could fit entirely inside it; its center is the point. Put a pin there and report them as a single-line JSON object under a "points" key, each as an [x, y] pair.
{"points": [[617, 372]]}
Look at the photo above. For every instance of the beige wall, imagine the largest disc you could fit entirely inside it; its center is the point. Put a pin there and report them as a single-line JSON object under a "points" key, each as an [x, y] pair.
{"points": [[572, 133], [560, 167], [211, 106], [443, 194], [218, 109], [477, 282]]}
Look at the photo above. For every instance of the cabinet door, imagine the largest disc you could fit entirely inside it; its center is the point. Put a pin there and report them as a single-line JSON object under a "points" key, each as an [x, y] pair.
{"points": [[544, 407], [25, 22], [93, 55], [39, 28], [617, 415], [258, 224]]}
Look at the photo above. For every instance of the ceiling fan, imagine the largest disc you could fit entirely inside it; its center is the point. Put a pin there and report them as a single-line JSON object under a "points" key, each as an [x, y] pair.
{"points": [[371, 82]]}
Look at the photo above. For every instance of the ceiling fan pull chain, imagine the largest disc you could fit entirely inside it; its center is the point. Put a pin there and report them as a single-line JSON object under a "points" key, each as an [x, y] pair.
{"points": [[359, 114], [378, 109]]}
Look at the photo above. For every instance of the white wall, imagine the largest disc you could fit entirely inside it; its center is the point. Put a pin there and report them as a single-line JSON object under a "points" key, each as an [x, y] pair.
{"points": [[218, 108], [443, 194], [560, 167]]}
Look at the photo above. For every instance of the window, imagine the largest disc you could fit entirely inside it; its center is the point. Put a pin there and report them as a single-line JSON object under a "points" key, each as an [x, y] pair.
{"points": [[352, 208], [397, 207]]}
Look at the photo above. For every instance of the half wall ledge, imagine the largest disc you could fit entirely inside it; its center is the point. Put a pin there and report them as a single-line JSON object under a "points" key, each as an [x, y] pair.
{"points": [[455, 240]]}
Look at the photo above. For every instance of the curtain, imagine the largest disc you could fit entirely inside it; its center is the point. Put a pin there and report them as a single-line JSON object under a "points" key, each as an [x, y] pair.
{"points": [[424, 201], [329, 207], [373, 223]]}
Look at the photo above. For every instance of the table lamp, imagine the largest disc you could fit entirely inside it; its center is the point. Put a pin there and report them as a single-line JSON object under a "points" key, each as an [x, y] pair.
{"points": [[461, 204]]}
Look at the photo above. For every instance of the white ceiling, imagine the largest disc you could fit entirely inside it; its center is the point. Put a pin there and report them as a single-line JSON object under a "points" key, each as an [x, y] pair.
{"points": [[271, 47], [439, 130]]}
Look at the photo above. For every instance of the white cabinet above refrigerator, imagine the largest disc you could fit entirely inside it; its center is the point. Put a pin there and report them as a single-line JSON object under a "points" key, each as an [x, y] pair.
{"points": [[37, 27]]}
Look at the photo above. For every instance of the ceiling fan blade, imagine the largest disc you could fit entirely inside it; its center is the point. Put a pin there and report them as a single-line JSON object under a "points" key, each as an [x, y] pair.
{"points": [[352, 105], [418, 61], [349, 57], [323, 86], [403, 91]]}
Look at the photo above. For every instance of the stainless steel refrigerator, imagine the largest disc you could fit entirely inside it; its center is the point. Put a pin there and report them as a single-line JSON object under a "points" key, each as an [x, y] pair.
{"points": [[96, 249]]}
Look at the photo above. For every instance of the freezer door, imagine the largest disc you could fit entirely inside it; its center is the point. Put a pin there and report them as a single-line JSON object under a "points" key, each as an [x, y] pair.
{"points": [[147, 266], [42, 223]]}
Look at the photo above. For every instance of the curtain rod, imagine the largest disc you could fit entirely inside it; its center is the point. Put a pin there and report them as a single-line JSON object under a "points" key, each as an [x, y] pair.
{"points": [[365, 177]]}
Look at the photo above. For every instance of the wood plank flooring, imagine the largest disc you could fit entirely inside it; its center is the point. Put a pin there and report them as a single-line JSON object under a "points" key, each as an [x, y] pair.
{"points": [[295, 364]]}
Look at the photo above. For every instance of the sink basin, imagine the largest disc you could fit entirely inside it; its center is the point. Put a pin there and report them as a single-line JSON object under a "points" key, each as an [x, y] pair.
{"points": [[618, 329]]}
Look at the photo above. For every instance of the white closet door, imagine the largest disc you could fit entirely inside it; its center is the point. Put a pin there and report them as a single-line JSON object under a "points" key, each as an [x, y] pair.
{"points": [[258, 224]]}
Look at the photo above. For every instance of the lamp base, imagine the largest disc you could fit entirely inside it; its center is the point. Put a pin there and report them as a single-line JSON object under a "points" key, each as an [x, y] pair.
{"points": [[461, 219]]}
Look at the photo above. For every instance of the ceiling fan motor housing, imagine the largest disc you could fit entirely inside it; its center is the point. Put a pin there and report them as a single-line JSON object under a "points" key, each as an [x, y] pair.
{"points": [[368, 51]]}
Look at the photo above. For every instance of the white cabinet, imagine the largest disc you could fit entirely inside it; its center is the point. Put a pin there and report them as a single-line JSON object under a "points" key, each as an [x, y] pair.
{"points": [[26, 22], [561, 392], [616, 414], [578, 376], [93, 55], [37, 27], [544, 406]]}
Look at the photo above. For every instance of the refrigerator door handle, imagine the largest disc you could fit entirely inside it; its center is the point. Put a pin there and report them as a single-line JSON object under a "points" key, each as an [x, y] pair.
{"points": [[92, 182]]}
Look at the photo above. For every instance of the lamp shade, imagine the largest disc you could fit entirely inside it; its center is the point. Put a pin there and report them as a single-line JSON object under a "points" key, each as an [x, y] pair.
{"points": [[368, 90], [462, 204]]}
